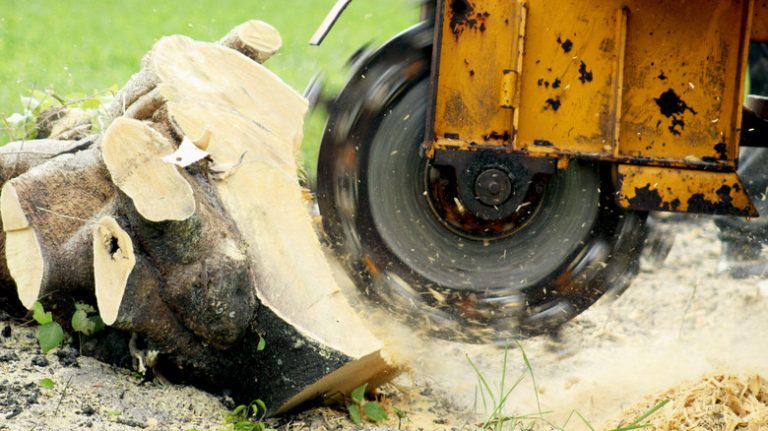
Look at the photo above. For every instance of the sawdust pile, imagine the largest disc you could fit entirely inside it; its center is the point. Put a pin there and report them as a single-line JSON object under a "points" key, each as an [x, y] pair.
{"points": [[716, 402]]}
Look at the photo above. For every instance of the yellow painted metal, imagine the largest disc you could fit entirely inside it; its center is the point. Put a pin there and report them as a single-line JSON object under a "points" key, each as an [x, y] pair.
{"points": [[694, 114], [652, 188], [573, 77], [760, 21], [509, 89], [637, 81], [479, 57]]}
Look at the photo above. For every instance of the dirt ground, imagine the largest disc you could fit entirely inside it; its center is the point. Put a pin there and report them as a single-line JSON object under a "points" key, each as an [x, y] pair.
{"points": [[676, 327]]}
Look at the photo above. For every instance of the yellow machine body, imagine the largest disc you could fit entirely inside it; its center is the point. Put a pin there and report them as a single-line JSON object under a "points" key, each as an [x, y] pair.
{"points": [[654, 86]]}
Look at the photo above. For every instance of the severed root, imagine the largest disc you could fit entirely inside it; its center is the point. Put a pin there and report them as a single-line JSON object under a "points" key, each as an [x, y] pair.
{"points": [[133, 155], [44, 226], [256, 40], [144, 107], [113, 262], [20, 156], [139, 85], [64, 123], [206, 276], [15, 159]]}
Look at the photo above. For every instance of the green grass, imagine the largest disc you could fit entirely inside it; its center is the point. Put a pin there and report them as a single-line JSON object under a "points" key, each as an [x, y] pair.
{"points": [[82, 46]]}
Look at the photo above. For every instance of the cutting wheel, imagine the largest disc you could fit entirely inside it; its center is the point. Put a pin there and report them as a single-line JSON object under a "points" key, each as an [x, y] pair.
{"points": [[394, 217]]}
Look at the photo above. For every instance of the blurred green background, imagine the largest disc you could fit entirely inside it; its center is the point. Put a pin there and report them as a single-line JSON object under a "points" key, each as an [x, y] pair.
{"points": [[82, 47]]}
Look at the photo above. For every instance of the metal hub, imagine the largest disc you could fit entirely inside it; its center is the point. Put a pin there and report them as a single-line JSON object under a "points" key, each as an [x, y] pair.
{"points": [[493, 187], [497, 192]]}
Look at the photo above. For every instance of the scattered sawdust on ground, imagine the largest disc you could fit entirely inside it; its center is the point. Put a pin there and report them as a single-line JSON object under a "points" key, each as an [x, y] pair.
{"points": [[716, 402]]}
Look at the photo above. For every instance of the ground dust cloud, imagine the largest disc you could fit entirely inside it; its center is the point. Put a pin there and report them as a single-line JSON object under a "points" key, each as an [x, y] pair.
{"points": [[678, 324]]}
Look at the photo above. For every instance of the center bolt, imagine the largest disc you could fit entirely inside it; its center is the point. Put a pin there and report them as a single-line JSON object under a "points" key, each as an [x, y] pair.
{"points": [[493, 187]]}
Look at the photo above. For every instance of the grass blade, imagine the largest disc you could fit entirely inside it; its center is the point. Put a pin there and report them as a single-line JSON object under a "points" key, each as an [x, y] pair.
{"points": [[497, 411], [482, 380], [533, 378], [631, 427], [653, 410], [503, 372], [636, 423], [583, 419]]}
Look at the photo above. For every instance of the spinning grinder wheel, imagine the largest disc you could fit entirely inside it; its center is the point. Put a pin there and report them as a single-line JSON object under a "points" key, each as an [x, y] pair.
{"points": [[529, 254]]}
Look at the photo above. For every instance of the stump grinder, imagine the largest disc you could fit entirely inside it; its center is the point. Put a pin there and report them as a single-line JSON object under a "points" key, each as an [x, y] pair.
{"points": [[487, 173]]}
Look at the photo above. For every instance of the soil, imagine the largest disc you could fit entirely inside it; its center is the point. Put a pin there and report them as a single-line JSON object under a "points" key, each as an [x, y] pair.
{"points": [[87, 394], [676, 330]]}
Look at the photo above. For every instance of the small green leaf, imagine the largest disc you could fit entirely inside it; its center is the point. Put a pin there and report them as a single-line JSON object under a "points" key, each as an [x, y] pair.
{"points": [[90, 104], [49, 336], [238, 411], [374, 411], [81, 323], [84, 307], [228, 417], [262, 344], [40, 315], [401, 414], [358, 394], [97, 323], [354, 414], [47, 383], [259, 406]]}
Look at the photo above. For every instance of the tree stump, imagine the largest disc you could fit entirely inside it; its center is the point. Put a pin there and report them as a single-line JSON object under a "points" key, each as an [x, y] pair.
{"points": [[185, 224]]}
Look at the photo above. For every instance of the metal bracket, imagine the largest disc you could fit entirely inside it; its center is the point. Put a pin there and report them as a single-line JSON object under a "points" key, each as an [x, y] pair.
{"points": [[329, 22]]}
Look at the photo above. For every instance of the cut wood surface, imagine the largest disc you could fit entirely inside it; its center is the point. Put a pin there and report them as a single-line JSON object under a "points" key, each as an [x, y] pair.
{"points": [[255, 39], [186, 226], [114, 261], [139, 97], [133, 154]]}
